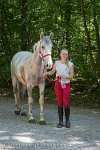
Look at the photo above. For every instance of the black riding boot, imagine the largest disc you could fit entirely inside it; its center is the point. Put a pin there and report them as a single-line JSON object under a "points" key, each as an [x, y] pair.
{"points": [[60, 114], [67, 114]]}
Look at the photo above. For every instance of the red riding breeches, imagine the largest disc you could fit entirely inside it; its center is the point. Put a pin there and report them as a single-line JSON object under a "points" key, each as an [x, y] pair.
{"points": [[62, 94]]}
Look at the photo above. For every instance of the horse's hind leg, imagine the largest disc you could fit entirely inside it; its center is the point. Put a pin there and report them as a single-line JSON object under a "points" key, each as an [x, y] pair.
{"points": [[23, 91], [16, 91]]}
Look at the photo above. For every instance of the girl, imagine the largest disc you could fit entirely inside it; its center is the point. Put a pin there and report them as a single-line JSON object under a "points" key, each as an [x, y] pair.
{"points": [[64, 72]]}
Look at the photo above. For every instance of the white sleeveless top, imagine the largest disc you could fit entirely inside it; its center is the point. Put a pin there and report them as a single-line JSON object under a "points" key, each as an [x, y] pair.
{"points": [[63, 70]]}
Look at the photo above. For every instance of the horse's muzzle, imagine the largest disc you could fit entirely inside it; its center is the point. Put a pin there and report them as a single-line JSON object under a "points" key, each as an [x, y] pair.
{"points": [[49, 66]]}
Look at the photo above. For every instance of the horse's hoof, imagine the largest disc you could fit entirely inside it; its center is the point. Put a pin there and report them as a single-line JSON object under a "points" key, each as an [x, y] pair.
{"points": [[17, 112], [32, 121], [23, 114], [42, 122]]}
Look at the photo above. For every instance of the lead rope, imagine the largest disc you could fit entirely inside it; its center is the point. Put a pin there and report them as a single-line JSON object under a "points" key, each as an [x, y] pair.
{"points": [[53, 80]]}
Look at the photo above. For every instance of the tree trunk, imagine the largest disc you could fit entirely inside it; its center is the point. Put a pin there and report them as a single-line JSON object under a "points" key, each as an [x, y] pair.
{"points": [[88, 38], [68, 9], [23, 28], [97, 34], [5, 41], [97, 41]]}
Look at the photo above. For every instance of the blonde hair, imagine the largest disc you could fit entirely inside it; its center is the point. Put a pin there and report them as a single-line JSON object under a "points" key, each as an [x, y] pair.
{"points": [[64, 50]]}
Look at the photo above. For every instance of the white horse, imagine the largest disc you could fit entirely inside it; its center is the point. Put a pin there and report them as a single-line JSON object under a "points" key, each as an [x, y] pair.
{"points": [[27, 72]]}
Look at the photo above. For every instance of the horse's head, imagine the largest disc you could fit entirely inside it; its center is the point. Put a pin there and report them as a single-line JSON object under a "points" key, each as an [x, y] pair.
{"points": [[45, 49]]}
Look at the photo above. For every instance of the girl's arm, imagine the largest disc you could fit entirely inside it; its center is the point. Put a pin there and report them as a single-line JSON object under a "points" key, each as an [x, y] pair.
{"points": [[51, 72], [71, 74]]}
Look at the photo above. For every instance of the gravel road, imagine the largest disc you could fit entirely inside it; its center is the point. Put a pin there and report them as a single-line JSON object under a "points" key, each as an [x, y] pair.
{"points": [[17, 134]]}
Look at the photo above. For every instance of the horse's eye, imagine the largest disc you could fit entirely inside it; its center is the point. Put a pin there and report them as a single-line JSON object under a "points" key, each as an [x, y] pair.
{"points": [[42, 47]]}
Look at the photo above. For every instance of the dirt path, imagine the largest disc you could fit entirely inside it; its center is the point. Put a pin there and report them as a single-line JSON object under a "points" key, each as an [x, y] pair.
{"points": [[17, 133]]}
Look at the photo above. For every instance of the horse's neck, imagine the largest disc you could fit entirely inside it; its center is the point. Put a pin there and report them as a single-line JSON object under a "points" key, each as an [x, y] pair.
{"points": [[35, 63], [38, 64], [36, 58]]}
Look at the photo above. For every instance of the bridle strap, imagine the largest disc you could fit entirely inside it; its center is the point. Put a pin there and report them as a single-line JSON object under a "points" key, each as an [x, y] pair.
{"points": [[46, 55], [43, 56]]}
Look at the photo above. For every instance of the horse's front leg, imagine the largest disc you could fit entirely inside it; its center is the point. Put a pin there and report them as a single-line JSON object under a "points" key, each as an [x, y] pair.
{"points": [[41, 101], [30, 103]]}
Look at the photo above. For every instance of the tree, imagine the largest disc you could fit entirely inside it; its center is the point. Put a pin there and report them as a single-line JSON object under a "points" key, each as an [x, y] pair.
{"points": [[23, 27]]}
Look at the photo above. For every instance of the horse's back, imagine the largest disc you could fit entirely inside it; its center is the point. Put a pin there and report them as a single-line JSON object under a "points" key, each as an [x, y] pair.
{"points": [[21, 55], [20, 58], [18, 62]]}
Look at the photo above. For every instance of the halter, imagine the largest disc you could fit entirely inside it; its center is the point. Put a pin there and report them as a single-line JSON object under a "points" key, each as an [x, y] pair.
{"points": [[43, 56]]}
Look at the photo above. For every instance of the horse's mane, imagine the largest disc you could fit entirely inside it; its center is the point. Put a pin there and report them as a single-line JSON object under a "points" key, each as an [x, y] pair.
{"points": [[34, 47]]}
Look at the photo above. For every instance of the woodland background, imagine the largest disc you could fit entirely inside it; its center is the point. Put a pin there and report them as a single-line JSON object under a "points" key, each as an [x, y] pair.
{"points": [[75, 25]]}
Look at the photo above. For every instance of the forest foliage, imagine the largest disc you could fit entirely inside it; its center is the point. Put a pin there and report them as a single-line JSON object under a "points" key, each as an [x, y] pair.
{"points": [[75, 25]]}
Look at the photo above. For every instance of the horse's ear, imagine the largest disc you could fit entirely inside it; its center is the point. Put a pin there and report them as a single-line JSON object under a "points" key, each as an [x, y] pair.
{"points": [[41, 35], [51, 35]]}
